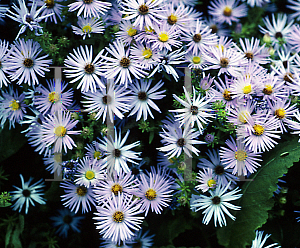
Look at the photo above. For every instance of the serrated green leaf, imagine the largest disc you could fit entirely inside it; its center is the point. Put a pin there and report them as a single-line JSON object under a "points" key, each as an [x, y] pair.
{"points": [[257, 196]]}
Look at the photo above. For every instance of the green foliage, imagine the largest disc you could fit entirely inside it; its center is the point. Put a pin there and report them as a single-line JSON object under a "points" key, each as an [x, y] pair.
{"points": [[257, 195]]}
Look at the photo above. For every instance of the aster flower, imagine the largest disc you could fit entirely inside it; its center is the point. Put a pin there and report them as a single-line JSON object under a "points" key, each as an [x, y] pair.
{"points": [[77, 196], [23, 62], [113, 100], [258, 242], [27, 194], [56, 130], [90, 8], [12, 107], [53, 8], [123, 184], [89, 172], [227, 10], [117, 218], [279, 29], [81, 66], [239, 157], [88, 26], [228, 60], [155, 190], [117, 154], [259, 132], [52, 99], [206, 179], [145, 13], [164, 37], [143, 96], [199, 38], [215, 204], [65, 221], [3, 53], [121, 64], [28, 19], [177, 140], [196, 110], [223, 176]]}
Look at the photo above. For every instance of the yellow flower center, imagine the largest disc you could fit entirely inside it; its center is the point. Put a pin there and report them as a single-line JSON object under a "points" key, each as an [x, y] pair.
{"points": [[14, 105], [227, 11], [87, 28], [163, 37], [147, 53], [89, 175], [268, 90], [53, 97], [196, 60], [211, 183], [247, 89], [258, 129], [97, 154], [243, 116], [172, 19], [116, 188], [150, 194], [280, 113], [60, 131], [118, 216], [240, 155], [131, 31]]}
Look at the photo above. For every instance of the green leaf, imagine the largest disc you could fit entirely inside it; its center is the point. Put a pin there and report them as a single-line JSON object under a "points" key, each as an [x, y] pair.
{"points": [[257, 195]]}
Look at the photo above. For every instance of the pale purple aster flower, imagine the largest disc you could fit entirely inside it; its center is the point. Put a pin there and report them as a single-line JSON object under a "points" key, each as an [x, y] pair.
{"points": [[143, 96], [282, 110], [26, 18], [113, 100], [177, 140], [28, 194], [127, 32], [52, 99], [206, 179], [253, 51], [121, 64], [295, 5], [239, 157], [77, 196], [155, 190], [199, 38], [144, 12], [90, 8], [122, 184], [3, 65], [146, 55], [196, 110], [56, 130], [227, 10], [140, 240], [228, 60], [65, 221], [23, 62], [216, 204], [118, 217], [89, 172], [52, 6], [88, 26], [82, 66], [164, 37], [259, 132], [118, 154], [12, 107], [258, 242], [223, 176], [279, 29]]}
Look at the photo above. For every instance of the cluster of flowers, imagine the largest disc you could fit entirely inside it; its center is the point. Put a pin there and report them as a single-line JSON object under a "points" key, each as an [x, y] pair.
{"points": [[154, 37]]}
